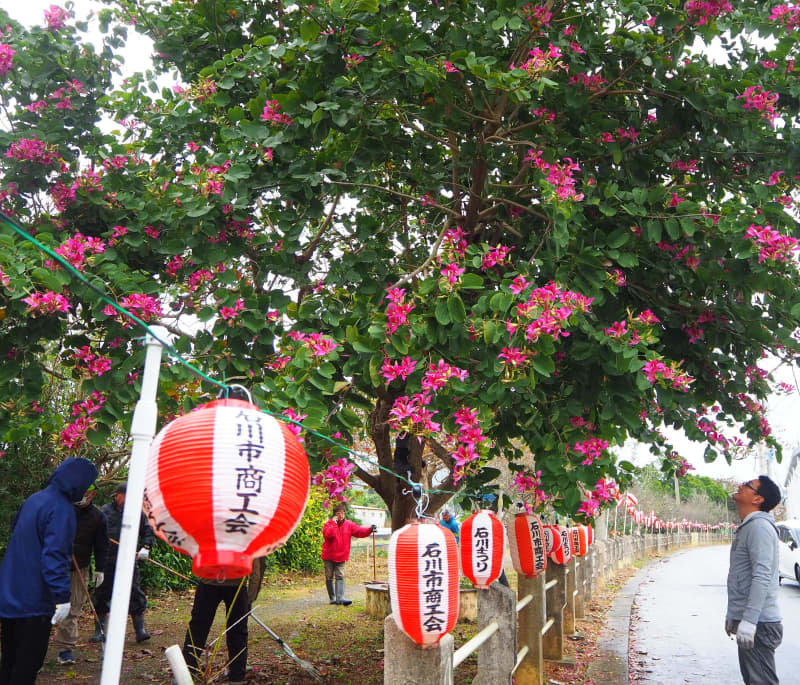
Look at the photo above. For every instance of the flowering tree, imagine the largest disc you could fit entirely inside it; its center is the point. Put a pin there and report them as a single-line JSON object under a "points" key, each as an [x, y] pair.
{"points": [[485, 229]]}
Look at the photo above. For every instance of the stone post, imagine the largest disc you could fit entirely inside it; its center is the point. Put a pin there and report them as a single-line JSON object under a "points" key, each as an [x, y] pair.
{"points": [[497, 656], [405, 663], [580, 585], [531, 621], [569, 609], [553, 639]]}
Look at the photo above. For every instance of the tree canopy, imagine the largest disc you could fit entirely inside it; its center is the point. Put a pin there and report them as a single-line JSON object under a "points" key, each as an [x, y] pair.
{"points": [[491, 229]]}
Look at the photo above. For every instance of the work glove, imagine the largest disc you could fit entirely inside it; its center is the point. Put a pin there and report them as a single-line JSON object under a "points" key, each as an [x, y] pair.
{"points": [[730, 626], [61, 612], [143, 554], [98, 578], [373, 528], [746, 635]]}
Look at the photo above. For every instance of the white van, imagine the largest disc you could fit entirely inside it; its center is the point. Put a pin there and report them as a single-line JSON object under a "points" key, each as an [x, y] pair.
{"points": [[789, 550]]}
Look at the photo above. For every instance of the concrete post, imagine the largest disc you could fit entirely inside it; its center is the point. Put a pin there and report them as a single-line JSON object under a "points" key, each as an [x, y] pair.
{"points": [[497, 656], [531, 621], [553, 639], [580, 585], [590, 575], [405, 663], [569, 609]]}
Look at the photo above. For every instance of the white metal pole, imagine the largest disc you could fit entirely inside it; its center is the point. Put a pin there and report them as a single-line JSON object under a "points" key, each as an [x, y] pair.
{"points": [[625, 515], [143, 426]]}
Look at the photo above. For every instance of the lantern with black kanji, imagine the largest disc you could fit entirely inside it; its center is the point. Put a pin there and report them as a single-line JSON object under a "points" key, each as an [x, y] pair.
{"points": [[563, 554], [423, 581], [526, 544], [580, 540], [552, 540], [225, 484], [483, 540]]}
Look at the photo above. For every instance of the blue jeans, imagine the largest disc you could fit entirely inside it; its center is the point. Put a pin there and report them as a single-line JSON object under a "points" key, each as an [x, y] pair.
{"points": [[758, 664]]}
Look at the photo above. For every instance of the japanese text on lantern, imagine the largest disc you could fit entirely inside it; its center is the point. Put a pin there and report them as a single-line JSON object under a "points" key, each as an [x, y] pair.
{"points": [[480, 545], [539, 561], [171, 535], [249, 446], [433, 575]]}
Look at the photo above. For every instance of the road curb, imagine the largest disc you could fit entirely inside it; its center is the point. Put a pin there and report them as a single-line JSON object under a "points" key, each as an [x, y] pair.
{"points": [[610, 663]]}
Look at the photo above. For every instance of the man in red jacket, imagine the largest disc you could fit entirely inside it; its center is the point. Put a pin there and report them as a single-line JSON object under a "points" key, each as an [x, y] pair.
{"points": [[337, 532]]}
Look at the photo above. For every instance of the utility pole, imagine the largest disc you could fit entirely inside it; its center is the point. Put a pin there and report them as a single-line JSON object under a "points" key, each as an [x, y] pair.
{"points": [[677, 490]]}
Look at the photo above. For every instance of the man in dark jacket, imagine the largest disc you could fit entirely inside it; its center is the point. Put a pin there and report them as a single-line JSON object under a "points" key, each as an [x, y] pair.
{"points": [[208, 595], [90, 536], [336, 534], [34, 573], [102, 595]]}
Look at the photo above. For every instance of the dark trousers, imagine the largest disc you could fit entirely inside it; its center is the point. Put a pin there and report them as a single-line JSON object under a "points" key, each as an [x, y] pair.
{"points": [[758, 664], [23, 642], [102, 595], [206, 600]]}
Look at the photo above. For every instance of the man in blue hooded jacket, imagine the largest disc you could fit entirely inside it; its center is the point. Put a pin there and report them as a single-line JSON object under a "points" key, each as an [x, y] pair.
{"points": [[34, 573]]}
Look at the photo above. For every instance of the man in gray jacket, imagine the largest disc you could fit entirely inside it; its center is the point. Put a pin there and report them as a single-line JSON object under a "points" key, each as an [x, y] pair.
{"points": [[753, 614]]}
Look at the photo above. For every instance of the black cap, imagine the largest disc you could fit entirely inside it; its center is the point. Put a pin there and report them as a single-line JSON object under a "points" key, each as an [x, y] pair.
{"points": [[121, 488]]}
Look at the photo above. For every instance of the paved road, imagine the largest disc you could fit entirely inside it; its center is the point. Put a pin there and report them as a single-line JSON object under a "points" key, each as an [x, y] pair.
{"points": [[678, 636]]}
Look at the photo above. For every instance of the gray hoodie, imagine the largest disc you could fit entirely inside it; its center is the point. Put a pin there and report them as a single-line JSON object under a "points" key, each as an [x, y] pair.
{"points": [[753, 575]]}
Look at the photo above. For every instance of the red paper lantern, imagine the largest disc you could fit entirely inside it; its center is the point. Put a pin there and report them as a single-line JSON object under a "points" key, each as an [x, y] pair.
{"points": [[589, 536], [483, 541], [580, 540], [225, 483], [423, 581], [552, 538], [527, 545], [563, 554]]}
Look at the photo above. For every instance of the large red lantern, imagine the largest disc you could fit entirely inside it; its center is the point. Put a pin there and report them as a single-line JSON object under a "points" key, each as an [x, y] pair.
{"points": [[483, 541], [563, 554], [225, 484], [580, 540], [423, 581], [527, 545]]}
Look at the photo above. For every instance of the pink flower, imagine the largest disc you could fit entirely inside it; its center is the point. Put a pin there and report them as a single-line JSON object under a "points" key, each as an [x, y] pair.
{"points": [[55, 17], [700, 11], [351, 61], [512, 356], [6, 58], [773, 246], [676, 200], [32, 150], [449, 67], [46, 303], [290, 413], [774, 178], [760, 100], [271, 113], [402, 369], [518, 285], [452, 273]]}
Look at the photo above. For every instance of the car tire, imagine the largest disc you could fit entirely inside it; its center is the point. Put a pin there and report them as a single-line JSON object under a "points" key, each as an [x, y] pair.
{"points": [[797, 572]]}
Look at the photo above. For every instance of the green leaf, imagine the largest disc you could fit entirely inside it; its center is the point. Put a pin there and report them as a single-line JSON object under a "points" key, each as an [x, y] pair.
{"points": [[471, 281], [543, 365], [455, 308], [442, 313], [309, 30]]}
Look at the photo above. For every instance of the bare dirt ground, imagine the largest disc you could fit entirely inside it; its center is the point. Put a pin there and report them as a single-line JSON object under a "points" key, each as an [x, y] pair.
{"points": [[344, 644]]}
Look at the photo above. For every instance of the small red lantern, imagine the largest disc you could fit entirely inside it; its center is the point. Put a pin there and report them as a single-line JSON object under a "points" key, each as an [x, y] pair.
{"points": [[589, 536], [527, 545], [580, 540], [423, 581], [552, 538], [225, 483], [563, 554], [483, 541]]}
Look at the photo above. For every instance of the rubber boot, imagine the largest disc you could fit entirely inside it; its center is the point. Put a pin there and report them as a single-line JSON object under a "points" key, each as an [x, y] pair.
{"points": [[331, 593], [138, 626], [100, 629], [340, 594]]}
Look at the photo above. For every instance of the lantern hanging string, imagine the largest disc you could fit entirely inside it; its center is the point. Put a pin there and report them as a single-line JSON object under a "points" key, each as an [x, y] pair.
{"points": [[177, 355]]}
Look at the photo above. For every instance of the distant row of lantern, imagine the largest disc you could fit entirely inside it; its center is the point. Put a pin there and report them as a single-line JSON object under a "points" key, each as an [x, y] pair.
{"points": [[424, 564]]}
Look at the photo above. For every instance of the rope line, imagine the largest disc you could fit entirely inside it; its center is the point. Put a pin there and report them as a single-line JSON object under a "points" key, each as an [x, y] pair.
{"points": [[177, 355]]}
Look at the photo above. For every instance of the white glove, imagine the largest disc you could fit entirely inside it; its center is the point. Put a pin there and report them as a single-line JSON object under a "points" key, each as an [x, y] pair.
{"points": [[142, 554], [98, 578], [62, 611], [746, 635]]}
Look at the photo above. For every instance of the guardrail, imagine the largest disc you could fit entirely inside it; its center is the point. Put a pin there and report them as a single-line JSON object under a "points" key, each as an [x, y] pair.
{"points": [[518, 631]]}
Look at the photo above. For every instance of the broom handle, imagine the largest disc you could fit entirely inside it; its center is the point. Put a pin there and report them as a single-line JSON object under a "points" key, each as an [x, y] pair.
{"points": [[374, 572], [166, 568], [86, 590]]}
